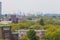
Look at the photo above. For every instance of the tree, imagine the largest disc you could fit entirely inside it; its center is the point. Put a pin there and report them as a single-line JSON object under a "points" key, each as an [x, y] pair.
{"points": [[36, 26], [42, 22], [52, 33], [24, 38], [57, 35], [32, 35]]}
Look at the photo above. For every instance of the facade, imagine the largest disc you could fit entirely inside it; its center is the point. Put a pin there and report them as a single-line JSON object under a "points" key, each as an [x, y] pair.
{"points": [[1, 31], [6, 33], [14, 36]]}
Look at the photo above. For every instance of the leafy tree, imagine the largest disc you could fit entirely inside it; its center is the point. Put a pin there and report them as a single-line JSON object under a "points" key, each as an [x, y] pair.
{"points": [[24, 38], [24, 26], [57, 35], [52, 33], [36, 26], [32, 35], [42, 22], [15, 26]]}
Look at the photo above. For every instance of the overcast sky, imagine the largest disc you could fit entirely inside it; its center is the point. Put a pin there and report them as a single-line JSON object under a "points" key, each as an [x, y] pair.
{"points": [[46, 6]]}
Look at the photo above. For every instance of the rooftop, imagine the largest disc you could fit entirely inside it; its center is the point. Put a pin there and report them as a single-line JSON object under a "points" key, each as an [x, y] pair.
{"points": [[14, 32]]}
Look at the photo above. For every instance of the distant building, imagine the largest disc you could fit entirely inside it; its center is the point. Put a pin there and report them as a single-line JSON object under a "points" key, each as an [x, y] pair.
{"points": [[1, 19], [14, 19]]}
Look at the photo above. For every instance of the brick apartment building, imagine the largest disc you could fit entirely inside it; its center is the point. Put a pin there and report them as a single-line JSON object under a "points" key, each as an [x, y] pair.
{"points": [[6, 33]]}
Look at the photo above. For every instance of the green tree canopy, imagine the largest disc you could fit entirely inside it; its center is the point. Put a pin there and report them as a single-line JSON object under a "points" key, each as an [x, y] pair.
{"points": [[32, 35], [42, 22]]}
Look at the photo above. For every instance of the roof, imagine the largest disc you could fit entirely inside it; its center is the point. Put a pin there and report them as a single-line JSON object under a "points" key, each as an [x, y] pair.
{"points": [[14, 32], [28, 30], [4, 25], [6, 29]]}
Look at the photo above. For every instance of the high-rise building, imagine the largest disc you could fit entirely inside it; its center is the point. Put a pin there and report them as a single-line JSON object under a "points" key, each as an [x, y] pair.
{"points": [[0, 11], [0, 8]]}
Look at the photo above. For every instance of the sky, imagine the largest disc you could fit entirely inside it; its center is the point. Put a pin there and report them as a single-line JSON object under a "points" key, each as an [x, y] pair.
{"points": [[27, 6]]}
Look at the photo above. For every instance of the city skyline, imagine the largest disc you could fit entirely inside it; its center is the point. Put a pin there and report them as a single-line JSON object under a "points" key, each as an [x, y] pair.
{"points": [[27, 6]]}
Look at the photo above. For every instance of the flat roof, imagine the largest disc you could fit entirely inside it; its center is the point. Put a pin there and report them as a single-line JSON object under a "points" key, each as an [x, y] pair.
{"points": [[4, 25], [14, 32]]}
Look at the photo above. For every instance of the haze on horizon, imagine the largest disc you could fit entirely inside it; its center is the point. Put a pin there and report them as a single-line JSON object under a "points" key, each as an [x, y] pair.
{"points": [[46, 6]]}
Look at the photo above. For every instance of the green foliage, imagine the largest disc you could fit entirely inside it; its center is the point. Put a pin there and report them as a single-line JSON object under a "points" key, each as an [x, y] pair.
{"points": [[24, 38], [32, 35], [42, 22], [37, 26], [21, 25], [57, 35], [52, 33], [51, 25]]}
